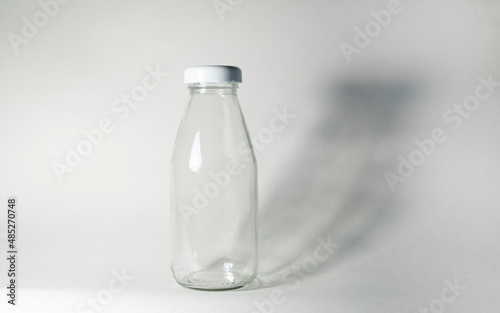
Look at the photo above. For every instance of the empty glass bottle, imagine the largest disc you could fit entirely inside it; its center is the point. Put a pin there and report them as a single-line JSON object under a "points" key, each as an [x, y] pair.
{"points": [[213, 186]]}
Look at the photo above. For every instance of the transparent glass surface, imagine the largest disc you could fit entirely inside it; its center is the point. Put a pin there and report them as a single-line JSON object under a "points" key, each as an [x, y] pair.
{"points": [[213, 193]]}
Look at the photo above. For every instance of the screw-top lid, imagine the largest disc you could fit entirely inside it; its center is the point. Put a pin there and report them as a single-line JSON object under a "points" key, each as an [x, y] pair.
{"points": [[212, 74]]}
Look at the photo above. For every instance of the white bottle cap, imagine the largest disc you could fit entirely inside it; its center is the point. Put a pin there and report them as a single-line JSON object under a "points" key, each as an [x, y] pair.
{"points": [[212, 74]]}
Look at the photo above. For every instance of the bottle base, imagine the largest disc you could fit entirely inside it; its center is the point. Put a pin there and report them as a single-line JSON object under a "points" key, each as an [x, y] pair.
{"points": [[215, 280]]}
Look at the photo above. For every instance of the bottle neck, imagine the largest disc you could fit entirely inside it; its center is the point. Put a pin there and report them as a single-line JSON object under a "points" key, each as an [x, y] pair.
{"points": [[213, 88]]}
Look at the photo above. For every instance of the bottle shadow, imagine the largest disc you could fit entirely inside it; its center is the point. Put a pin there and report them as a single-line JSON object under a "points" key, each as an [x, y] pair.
{"points": [[334, 192]]}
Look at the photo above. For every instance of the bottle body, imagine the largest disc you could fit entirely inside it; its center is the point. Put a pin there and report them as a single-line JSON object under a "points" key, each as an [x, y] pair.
{"points": [[213, 193]]}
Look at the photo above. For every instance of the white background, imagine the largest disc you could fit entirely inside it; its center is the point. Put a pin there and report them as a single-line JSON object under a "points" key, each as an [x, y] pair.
{"points": [[322, 176]]}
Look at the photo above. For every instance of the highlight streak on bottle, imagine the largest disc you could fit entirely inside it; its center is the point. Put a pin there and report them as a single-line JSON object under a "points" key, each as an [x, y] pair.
{"points": [[195, 158]]}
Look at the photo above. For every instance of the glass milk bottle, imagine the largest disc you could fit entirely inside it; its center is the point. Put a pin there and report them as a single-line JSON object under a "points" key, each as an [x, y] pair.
{"points": [[213, 186]]}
